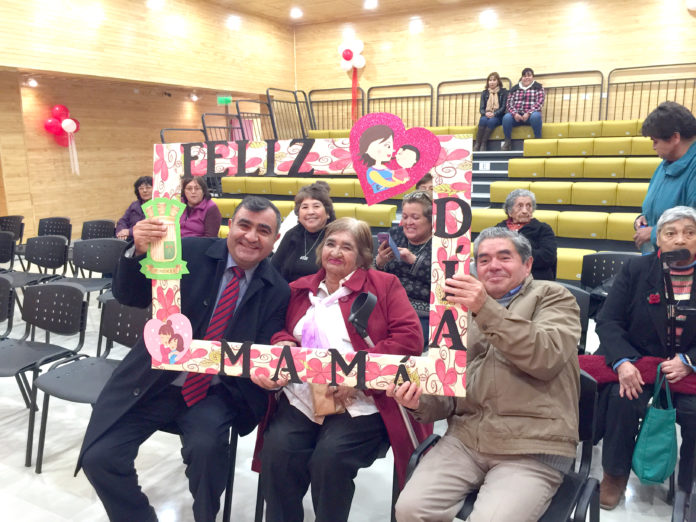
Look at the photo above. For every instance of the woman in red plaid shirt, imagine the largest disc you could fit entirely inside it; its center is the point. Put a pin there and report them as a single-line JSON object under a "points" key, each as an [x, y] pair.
{"points": [[523, 106]]}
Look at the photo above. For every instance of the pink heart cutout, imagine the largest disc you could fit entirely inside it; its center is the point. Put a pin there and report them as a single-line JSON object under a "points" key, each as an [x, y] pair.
{"points": [[385, 158], [168, 342]]}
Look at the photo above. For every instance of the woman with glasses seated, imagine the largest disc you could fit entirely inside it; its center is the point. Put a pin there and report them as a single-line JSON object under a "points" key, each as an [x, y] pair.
{"points": [[520, 205], [413, 239], [134, 213], [635, 322], [201, 217]]}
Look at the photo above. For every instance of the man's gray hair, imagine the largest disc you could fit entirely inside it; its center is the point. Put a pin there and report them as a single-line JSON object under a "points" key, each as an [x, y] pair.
{"points": [[518, 193], [522, 244], [675, 214]]}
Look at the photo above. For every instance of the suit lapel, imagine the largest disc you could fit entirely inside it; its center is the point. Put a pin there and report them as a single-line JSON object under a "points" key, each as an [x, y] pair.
{"points": [[657, 311]]}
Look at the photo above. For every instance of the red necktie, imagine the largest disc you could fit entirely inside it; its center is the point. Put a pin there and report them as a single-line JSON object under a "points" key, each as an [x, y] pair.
{"points": [[196, 386]]}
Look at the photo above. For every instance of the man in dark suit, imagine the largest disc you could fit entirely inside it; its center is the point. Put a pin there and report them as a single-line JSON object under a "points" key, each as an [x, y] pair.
{"points": [[137, 400]]}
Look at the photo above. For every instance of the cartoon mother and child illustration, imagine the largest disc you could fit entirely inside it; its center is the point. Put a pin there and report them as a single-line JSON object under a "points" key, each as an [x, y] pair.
{"points": [[376, 151], [171, 343]]}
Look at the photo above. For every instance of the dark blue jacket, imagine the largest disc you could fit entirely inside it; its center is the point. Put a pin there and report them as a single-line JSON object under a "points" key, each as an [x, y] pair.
{"points": [[260, 314]]}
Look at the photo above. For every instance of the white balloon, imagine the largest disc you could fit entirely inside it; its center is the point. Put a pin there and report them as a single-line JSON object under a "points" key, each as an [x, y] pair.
{"points": [[343, 47], [346, 65], [68, 125], [357, 46], [359, 61]]}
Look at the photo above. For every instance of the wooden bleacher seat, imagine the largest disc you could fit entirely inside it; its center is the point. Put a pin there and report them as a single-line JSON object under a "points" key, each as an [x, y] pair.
{"points": [[595, 193], [641, 168], [612, 146], [344, 209], [226, 206], [526, 168], [584, 129], [486, 217], [575, 147], [554, 130], [500, 189], [583, 225], [620, 128], [541, 147], [260, 186], [631, 194], [569, 265], [641, 146], [234, 185], [605, 167], [285, 185], [564, 167], [380, 215], [620, 226], [552, 192]]}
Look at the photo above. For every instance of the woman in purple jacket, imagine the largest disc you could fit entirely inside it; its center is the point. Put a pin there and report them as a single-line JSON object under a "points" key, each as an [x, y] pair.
{"points": [[133, 214], [201, 218]]}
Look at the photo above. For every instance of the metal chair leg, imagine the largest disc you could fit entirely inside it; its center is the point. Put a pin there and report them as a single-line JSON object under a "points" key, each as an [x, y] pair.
{"points": [[32, 415], [227, 510], [258, 514], [42, 434], [23, 388]]}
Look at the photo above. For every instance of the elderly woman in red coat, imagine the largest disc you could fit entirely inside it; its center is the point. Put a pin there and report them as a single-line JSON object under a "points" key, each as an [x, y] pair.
{"points": [[302, 443]]}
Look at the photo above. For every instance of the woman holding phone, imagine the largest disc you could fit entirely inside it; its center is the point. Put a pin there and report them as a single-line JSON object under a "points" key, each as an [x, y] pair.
{"points": [[412, 239]]}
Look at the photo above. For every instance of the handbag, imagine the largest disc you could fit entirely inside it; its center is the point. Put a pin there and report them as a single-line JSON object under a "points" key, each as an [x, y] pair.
{"points": [[655, 453]]}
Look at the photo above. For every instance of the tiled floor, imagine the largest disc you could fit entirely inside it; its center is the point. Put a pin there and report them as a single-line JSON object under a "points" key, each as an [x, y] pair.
{"points": [[57, 496]]}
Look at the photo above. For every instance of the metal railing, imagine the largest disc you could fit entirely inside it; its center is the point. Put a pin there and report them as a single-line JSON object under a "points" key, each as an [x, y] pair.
{"points": [[571, 96], [332, 107], [412, 102], [633, 92], [305, 110], [182, 135], [286, 114], [255, 125], [458, 101], [221, 126]]}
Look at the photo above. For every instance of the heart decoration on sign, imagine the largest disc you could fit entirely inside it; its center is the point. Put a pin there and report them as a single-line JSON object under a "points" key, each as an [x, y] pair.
{"points": [[169, 342], [389, 159]]}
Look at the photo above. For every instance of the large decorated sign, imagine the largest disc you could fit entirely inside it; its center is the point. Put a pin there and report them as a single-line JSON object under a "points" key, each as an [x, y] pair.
{"points": [[440, 372]]}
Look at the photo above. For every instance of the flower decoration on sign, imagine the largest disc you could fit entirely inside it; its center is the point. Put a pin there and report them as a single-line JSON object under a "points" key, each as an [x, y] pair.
{"points": [[654, 298], [352, 60], [63, 128]]}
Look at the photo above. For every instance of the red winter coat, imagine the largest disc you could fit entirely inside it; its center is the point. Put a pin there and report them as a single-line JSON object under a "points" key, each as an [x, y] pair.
{"points": [[394, 329]]}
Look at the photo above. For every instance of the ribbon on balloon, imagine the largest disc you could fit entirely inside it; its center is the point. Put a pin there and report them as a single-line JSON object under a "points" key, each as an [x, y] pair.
{"points": [[351, 61], [63, 128]]}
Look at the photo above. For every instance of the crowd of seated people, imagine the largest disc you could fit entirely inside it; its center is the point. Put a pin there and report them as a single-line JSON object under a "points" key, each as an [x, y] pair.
{"points": [[524, 330], [521, 105]]}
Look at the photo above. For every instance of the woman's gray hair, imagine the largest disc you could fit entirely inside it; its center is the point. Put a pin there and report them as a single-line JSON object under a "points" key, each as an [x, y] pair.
{"points": [[522, 244], [675, 214], [518, 193]]}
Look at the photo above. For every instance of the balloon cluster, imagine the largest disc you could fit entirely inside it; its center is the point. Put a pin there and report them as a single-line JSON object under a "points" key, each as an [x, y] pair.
{"points": [[350, 51], [61, 125]]}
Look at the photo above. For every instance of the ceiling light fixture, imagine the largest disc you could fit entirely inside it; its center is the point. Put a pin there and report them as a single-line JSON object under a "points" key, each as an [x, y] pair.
{"points": [[370, 4], [234, 22], [415, 25], [296, 13], [155, 5], [31, 82], [194, 97]]}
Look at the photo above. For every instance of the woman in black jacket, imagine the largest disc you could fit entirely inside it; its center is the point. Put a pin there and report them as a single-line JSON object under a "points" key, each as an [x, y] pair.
{"points": [[520, 205], [493, 100]]}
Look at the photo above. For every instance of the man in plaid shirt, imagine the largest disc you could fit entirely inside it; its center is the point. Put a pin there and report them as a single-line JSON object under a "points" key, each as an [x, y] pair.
{"points": [[523, 106]]}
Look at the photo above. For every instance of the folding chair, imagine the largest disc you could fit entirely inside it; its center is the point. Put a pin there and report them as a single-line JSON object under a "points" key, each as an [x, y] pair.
{"points": [[95, 255], [597, 275], [98, 228], [58, 309], [578, 494], [81, 378], [58, 226], [7, 250], [583, 299]]}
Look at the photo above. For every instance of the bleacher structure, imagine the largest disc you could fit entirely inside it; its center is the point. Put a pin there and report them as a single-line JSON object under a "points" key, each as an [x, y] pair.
{"points": [[589, 171]]}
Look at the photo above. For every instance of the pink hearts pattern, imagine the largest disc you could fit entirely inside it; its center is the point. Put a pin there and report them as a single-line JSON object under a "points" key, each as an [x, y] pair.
{"points": [[389, 159]]}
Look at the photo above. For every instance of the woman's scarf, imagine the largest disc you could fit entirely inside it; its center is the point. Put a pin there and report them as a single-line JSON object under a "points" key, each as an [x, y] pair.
{"points": [[493, 104], [313, 334]]}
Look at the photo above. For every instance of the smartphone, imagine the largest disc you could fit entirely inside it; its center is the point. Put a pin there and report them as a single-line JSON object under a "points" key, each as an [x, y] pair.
{"points": [[395, 249], [382, 237]]}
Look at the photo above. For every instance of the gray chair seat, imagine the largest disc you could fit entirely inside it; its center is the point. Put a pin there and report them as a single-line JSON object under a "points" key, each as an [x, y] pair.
{"points": [[18, 356], [90, 372]]}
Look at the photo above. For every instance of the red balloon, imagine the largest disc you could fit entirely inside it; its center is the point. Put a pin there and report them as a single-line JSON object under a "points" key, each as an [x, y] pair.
{"points": [[347, 55], [60, 111], [62, 139], [76, 123], [52, 125]]}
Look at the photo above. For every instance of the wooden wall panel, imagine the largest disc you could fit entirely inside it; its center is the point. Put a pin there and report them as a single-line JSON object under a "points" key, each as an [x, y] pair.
{"points": [[186, 44], [546, 35], [120, 122]]}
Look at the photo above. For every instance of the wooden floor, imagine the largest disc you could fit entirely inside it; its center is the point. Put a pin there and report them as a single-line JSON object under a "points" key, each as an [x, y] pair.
{"points": [[57, 496]]}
